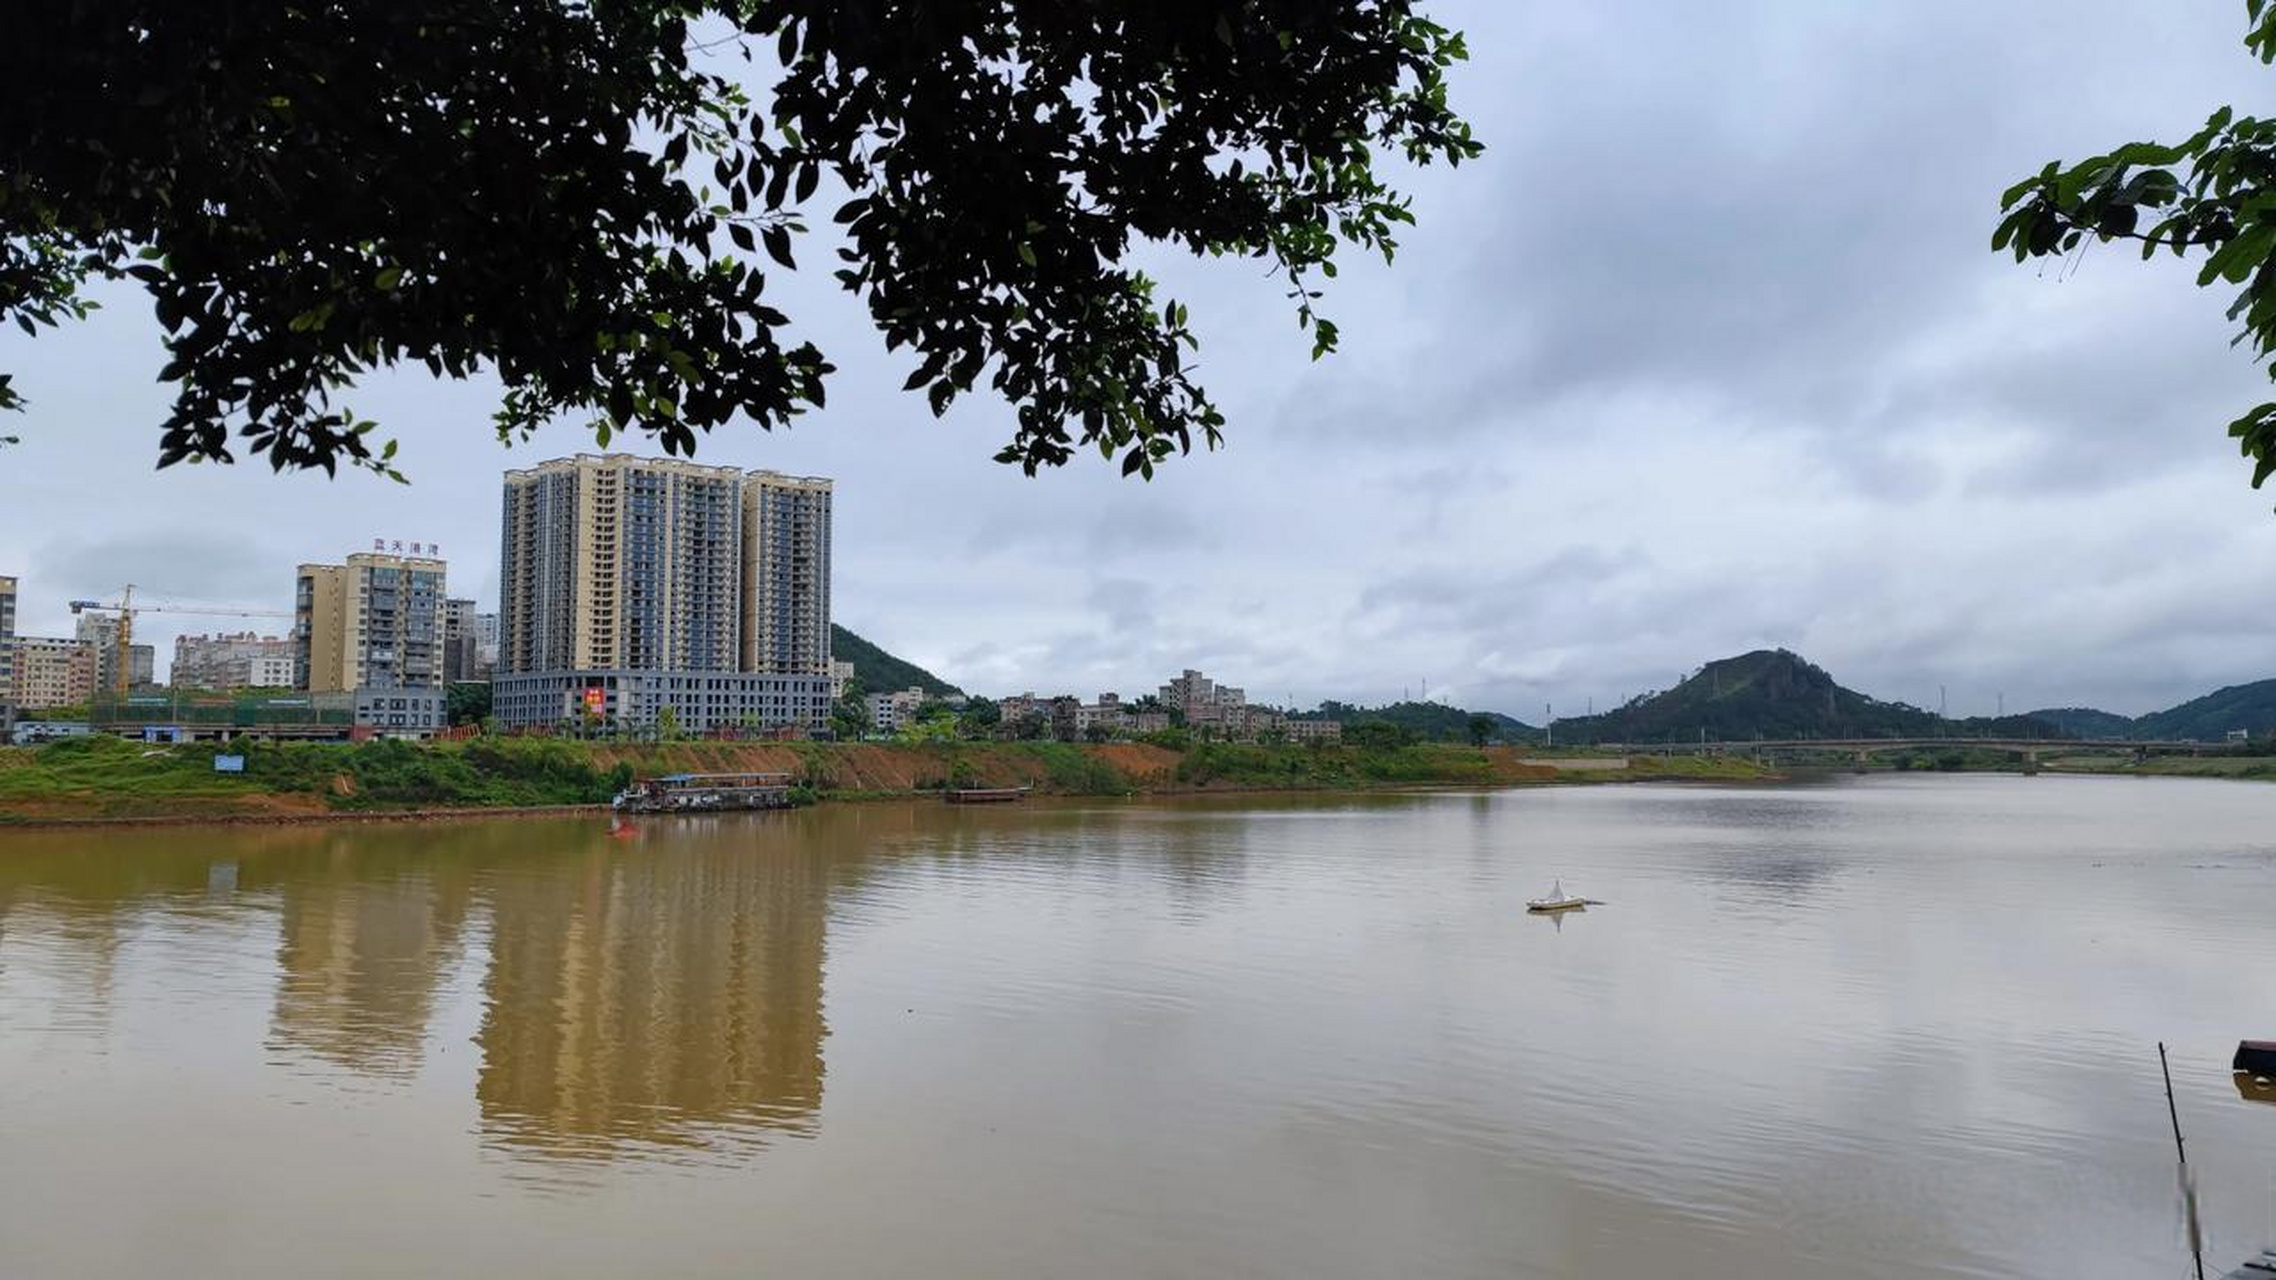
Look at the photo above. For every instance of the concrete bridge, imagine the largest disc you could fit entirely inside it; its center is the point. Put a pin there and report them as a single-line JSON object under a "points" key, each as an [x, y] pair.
{"points": [[1863, 748]]}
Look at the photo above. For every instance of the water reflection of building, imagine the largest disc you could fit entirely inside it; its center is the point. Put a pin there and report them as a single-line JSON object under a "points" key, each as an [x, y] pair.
{"points": [[362, 949], [663, 992]]}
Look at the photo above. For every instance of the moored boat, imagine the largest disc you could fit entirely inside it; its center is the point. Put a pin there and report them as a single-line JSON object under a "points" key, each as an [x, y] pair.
{"points": [[1558, 900], [705, 792]]}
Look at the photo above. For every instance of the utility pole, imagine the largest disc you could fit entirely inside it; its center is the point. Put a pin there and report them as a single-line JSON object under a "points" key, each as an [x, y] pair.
{"points": [[1548, 725], [1940, 702]]}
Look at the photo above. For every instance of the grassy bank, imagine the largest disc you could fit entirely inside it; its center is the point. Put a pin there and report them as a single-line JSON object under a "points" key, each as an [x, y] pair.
{"points": [[109, 778]]}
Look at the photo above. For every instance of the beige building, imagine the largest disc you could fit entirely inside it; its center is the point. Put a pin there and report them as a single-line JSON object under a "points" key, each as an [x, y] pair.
{"points": [[786, 574], [50, 671], [375, 622], [7, 651], [620, 562], [841, 675]]}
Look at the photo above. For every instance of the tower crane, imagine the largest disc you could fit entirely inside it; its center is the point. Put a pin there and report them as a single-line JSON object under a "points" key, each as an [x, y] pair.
{"points": [[126, 609]]}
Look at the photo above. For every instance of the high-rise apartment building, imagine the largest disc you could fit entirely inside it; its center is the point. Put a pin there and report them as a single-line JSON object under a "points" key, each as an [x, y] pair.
{"points": [[629, 586], [786, 574], [620, 562], [375, 622], [7, 650]]}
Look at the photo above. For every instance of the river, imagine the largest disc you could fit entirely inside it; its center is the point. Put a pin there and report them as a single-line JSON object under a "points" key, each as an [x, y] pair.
{"points": [[1884, 1027]]}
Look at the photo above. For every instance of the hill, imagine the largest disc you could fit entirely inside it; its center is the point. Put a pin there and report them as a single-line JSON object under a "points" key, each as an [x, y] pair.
{"points": [[1771, 693], [878, 670], [1432, 721], [2087, 722], [2250, 707]]}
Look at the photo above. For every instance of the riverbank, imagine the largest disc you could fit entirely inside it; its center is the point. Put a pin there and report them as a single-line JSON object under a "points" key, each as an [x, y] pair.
{"points": [[109, 780]]}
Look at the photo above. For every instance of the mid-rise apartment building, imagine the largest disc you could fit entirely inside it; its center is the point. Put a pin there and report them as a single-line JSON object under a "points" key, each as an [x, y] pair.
{"points": [[630, 585], [375, 622], [51, 671], [241, 660], [7, 606], [786, 574]]}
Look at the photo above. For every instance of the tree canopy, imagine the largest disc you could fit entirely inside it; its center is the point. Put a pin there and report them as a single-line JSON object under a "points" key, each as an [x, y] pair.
{"points": [[2213, 193], [589, 199]]}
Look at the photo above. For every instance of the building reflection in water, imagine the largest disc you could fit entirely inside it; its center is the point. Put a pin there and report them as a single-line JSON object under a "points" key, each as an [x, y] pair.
{"points": [[367, 928], [662, 990]]}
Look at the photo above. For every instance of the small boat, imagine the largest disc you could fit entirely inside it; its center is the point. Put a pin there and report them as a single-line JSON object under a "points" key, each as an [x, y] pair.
{"points": [[2255, 1056], [1558, 900]]}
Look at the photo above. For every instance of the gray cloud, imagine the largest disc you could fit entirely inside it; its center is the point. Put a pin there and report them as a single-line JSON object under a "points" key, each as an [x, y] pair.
{"points": [[1709, 352]]}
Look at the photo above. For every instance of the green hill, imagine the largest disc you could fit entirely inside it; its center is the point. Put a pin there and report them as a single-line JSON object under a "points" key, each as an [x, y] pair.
{"points": [[1432, 721], [1771, 693], [878, 670], [2087, 722], [2250, 707]]}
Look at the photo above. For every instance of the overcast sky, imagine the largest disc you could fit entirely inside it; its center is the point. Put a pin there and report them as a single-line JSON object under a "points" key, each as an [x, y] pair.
{"points": [[1708, 353]]}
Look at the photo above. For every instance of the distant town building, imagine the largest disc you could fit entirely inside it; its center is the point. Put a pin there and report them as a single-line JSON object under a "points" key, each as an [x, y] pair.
{"points": [[841, 675], [7, 606], [1314, 730], [629, 586], [51, 671], [101, 630], [375, 622], [1146, 721], [786, 574], [1061, 713], [1013, 709], [462, 643], [1107, 713], [486, 634], [889, 712], [242, 660]]}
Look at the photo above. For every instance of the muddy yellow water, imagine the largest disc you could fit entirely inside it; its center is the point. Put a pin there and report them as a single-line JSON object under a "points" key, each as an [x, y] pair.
{"points": [[1897, 1027]]}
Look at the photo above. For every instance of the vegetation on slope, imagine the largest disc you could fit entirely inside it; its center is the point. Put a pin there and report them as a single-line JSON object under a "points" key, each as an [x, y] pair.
{"points": [[1429, 721], [878, 670]]}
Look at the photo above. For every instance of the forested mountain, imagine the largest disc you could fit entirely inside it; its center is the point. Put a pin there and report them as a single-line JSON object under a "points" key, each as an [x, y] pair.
{"points": [[1772, 693], [879, 671]]}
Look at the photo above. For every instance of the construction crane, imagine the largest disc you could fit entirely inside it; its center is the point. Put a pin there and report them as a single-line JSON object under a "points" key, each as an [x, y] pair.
{"points": [[126, 608]]}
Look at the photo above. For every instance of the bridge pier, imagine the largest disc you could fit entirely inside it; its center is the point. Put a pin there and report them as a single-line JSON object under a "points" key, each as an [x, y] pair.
{"points": [[1861, 760], [2030, 761]]}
